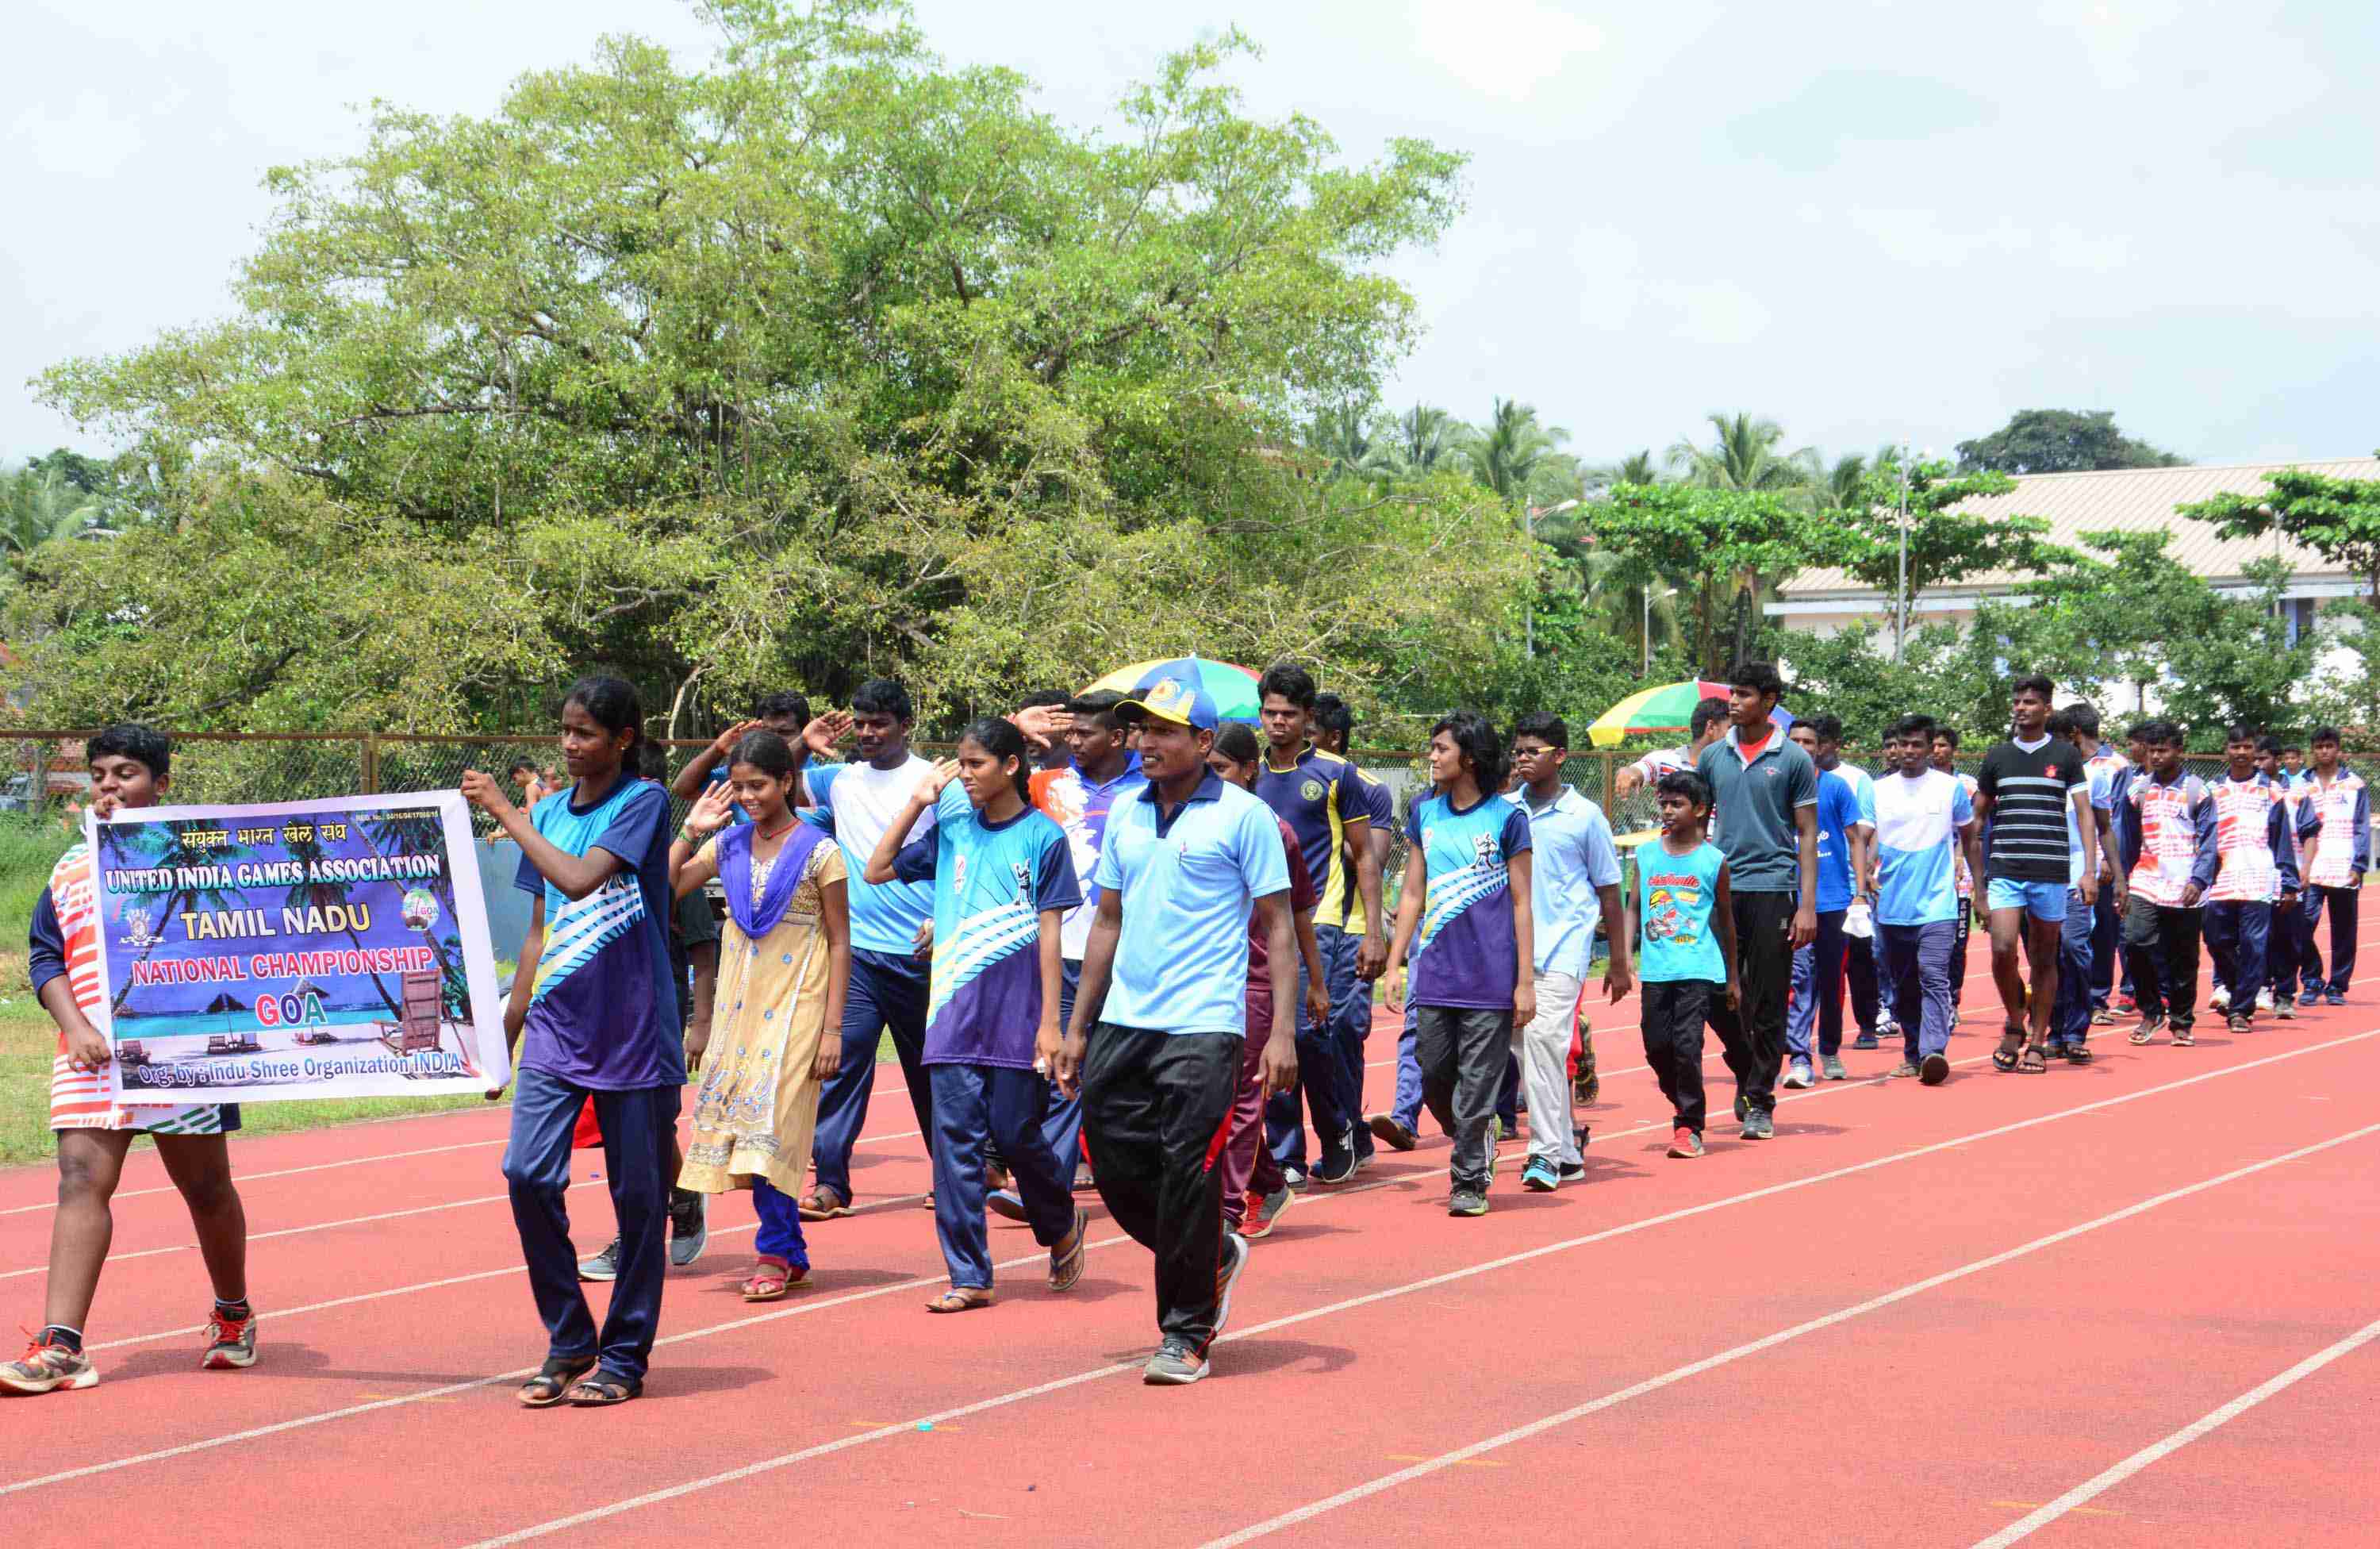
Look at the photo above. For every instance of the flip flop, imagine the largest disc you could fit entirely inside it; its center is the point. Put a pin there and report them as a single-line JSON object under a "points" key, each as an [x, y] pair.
{"points": [[957, 1300], [553, 1381], [821, 1205], [1067, 1268], [602, 1390]]}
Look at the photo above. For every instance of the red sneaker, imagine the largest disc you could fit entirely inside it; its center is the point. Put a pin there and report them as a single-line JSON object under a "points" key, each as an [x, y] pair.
{"points": [[1261, 1215], [1684, 1143], [231, 1343], [46, 1368]]}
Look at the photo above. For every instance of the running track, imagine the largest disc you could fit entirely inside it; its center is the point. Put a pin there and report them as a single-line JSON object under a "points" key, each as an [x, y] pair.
{"points": [[2135, 1303]]}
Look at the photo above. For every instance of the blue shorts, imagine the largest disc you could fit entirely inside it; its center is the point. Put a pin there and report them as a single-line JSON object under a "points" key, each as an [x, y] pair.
{"points": [[2045, 901]]}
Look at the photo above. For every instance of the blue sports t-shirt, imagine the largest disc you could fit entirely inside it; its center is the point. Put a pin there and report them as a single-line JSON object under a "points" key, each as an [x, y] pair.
{"points": [[1840, 809], [992, 882], [1917, 824], [603, 1011], [1463, 955], [1189, 883], [1676, 896]]}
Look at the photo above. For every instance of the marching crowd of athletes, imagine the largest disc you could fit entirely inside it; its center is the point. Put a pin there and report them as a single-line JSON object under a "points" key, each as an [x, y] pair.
{"points": [[1121, 944]]}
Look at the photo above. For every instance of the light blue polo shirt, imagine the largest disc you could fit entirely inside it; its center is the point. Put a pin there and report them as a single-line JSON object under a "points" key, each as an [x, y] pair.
{"points": [[1188, 886], [1572, 855]]}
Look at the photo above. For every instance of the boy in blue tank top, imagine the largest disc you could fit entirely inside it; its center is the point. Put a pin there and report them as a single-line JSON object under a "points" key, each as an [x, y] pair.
{"points": [[1684, 913], [1465, 916]]}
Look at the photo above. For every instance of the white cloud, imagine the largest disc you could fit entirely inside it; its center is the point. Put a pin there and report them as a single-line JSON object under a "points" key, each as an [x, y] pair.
{"points": [[1503, 49]]}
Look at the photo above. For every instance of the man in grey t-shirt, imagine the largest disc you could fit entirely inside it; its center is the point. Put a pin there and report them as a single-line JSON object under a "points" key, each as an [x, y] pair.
{"points": [[1765, 818]]}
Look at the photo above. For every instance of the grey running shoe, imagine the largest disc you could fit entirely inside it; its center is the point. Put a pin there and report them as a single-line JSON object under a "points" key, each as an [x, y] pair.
{"points": [[1175, 1364], [47, 1368], [1468, 1202], [689, 1226], [1758, 1126], [1833, 1065], [1905, 1068], [602, 1266], [1797, 1076], [1227, 1278]]}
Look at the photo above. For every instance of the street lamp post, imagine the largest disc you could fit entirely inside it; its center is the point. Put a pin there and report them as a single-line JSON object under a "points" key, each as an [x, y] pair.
{"points": [[1900, 588], [1650, 598]]}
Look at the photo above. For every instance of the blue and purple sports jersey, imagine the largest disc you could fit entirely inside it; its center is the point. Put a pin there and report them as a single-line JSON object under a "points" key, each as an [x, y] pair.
{"points": [[991, 883], [1464, 953], [603, 1011]]}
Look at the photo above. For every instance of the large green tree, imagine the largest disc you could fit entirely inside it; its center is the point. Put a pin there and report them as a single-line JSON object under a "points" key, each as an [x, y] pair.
{"points": [[2338, 519], [1723, 549], [2060, 441], [820, 360], [1906, 530]]}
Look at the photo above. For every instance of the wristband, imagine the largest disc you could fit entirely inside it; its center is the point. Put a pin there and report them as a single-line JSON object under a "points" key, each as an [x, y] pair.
{"points": [[686, 831]]}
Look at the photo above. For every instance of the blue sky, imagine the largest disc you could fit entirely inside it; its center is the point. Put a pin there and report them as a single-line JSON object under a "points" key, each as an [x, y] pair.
{"points": [[1873, 221]]}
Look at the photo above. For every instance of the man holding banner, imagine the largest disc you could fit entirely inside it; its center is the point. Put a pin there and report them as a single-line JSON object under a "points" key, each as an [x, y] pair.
{"points": [[130, 766]]}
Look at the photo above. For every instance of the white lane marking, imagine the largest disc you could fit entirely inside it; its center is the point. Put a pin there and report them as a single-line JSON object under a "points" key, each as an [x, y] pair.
{"points": [[2097, 1484], [1308, 1512], [1685, 1212], [301, 1421]]}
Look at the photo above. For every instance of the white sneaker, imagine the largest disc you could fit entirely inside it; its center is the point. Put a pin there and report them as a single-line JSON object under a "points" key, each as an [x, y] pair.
{"points": [[2220, 1000], [2263, 1000]]}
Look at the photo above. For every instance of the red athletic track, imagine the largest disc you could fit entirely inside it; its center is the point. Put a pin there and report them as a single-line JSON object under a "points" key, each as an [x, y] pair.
{"points": [[1919, 1316]]}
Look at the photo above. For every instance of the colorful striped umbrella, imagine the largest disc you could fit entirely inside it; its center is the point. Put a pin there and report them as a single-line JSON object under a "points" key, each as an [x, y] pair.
{"points": [[1658, 711], [1233, 689]]}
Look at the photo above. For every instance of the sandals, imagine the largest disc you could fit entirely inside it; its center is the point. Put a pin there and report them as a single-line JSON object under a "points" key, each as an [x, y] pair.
{"points": [[2183, 1038], [2008, 1056], [772, 1277], [821, 1204], [2148, 1030], [602, 1390], [553, 1382], [960, 1299], [2077, 1053], [1066, 1263], [2033, 1062]]}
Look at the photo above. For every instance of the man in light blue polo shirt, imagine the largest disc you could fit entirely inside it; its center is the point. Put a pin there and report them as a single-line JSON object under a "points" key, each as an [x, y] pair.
{"points": [[1155, 1043], [1574, 882]]}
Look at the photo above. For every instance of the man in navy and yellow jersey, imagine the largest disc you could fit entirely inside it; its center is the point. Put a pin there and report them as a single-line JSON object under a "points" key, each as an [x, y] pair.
{"points": [[1351, 1021], [1321, 799]]}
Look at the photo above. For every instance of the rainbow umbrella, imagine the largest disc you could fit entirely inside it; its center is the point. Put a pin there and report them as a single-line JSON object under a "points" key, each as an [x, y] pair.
{"points": [[1233, 689], [1658, 711]]}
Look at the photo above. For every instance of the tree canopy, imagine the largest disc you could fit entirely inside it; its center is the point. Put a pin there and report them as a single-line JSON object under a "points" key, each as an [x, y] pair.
{"points": [[824, 359], [2338, 519], [2060, 441]]}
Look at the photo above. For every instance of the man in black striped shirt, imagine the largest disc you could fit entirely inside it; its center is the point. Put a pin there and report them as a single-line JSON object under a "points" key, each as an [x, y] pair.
{"points": [[2036, 801]]}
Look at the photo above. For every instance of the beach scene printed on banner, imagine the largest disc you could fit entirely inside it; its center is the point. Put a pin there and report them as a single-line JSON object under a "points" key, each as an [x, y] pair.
{"points": [[301, 949]]}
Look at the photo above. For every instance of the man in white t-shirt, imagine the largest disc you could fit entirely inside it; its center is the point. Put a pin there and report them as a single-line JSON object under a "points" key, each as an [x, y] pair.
{"points": [[856, 802]]}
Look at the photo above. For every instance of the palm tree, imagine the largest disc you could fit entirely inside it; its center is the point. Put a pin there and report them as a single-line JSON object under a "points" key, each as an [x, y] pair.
{"points": [[1744, 456], [1344, 435], [1425, 437], [1521, 459], [36, 507], [1842, 487]]}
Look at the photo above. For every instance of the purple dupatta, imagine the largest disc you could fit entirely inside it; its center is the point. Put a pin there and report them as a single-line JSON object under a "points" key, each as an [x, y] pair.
{"points": [[756, 920]]}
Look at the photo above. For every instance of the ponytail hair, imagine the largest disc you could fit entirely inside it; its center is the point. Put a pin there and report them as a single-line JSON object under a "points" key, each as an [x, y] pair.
{"points": [[611, 703], [999, 736]]}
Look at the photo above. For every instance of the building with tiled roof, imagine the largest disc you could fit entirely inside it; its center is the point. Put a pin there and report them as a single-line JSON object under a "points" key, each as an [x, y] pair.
{"points": [[2124, 500]]}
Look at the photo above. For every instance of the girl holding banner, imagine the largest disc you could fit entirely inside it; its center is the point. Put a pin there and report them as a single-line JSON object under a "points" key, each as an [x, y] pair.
{"points": [[777, 1019]]}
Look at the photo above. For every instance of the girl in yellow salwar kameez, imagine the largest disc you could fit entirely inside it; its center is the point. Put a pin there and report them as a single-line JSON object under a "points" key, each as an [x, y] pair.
{"points": [[784, 959]]}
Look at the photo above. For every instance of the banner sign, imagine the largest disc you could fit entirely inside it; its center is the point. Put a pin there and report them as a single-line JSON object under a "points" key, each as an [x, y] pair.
{"points": [[332, 948]]}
